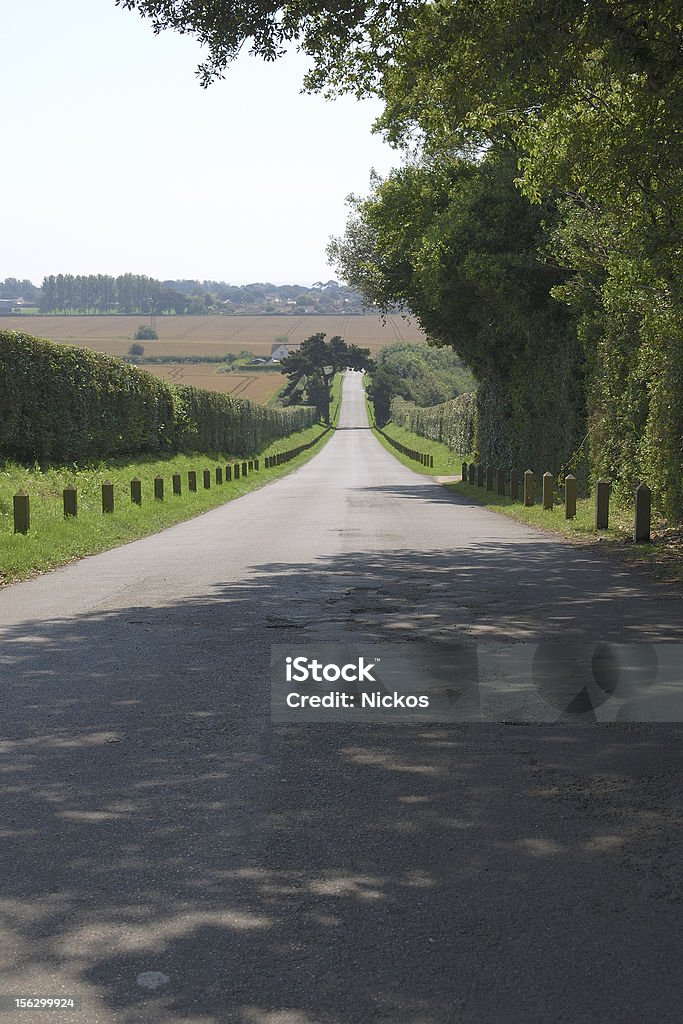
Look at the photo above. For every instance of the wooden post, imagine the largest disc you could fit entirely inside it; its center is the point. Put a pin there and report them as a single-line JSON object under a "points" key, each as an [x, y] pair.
{"points": [[641, 528], [244, 469], [480, 475], [601, 504], [192, 479], [431, 462], [159, 488], [500, 482], [514, 485], [528, 488], [219, 474], [207, 479], [236, 470], [473, 473], [107, 496], [548, 485], [489, 478], [228, 474], [570, 496], [463, 475], [22, 512], [251, 465], [177, 485], [70, 496], [136, 491], [256, 465]]}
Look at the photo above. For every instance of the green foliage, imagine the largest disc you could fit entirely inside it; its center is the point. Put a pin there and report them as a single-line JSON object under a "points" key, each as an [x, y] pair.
{"points": [[457, 243], [445, 461], [452, 423], [145, 333], [588, 95], [136, 350], [59, 403], [312, 367], [425, 376]]}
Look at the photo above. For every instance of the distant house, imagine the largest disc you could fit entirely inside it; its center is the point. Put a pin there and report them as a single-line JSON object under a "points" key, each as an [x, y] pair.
{"points": [[6, 307], [278, 353]]}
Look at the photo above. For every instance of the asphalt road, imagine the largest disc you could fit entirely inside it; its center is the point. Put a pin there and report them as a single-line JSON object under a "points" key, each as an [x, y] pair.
{"points": [[169, 854]]}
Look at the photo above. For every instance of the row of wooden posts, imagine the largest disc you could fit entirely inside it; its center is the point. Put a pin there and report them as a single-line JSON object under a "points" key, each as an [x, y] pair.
{"points": [[521, 487], [233, 471], [412, 453]]}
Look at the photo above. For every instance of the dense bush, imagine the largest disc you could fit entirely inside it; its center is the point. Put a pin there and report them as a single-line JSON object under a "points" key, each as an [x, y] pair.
{"points": [[61, 404], [458, 245], [422, 374], [146, 333], [453, 423]]}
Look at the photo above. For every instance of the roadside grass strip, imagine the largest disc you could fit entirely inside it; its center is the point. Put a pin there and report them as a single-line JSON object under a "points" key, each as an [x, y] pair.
{"points": [[54, 539], [446, 462]]}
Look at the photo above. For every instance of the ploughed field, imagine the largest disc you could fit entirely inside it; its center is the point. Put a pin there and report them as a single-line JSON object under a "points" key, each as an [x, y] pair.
{"points": [[259, 387], [214, 335]]}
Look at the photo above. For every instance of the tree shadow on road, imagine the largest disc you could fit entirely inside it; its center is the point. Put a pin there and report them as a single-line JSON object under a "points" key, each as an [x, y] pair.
{"points": [[155, 820]]}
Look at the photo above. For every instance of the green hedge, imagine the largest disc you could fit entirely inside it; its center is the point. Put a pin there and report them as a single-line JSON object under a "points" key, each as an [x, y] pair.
{"points": [[62, 404], [453, 423]]}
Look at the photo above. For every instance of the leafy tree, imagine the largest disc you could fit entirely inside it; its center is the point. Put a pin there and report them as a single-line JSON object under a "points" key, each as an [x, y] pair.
{"points": [[589, 95], [459, 245], [12, 288], [146, 333], [313, 366], [136, 350], [419, 374]]}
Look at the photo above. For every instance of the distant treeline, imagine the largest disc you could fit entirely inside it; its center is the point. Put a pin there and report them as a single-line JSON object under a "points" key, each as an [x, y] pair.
{"points": [[12, 288], [137, 293]]}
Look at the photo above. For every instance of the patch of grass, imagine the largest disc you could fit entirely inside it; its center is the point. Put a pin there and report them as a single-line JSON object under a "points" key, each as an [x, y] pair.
{"points": [[446, 462], [54, 540]]}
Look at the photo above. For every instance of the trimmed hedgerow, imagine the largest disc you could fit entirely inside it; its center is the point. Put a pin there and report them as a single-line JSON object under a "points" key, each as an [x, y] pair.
{"points": [[453, 423], [61, 404]]}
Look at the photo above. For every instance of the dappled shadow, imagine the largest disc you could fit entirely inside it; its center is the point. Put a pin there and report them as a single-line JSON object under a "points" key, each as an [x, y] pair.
{"points": [[154, 819], [426, 490]]}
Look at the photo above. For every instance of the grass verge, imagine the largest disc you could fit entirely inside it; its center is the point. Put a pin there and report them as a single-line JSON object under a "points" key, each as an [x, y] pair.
{"points": [[446, 462], [54, 540]]}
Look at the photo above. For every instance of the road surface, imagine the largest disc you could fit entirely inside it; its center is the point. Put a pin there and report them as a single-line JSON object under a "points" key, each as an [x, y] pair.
{"points": [[169, 854]]}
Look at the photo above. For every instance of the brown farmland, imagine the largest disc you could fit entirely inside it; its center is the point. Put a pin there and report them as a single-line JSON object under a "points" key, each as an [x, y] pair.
{"points": [[215, 335], [259, 387]]}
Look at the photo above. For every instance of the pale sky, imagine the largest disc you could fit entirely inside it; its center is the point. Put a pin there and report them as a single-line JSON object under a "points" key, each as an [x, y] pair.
{"points": [[115, 160]]}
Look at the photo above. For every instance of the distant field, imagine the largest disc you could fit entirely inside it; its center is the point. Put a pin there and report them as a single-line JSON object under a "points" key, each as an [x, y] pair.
{"points": [[213, 335], [259, 387]]}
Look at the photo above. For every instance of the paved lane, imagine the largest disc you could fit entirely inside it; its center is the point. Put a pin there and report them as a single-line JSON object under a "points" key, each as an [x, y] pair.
{"points": [[153, 820]]}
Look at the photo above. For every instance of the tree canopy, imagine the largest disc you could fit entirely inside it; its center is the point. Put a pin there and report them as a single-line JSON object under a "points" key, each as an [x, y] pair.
{"points": [[311, 368], [587, 99], [460, 246]]}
